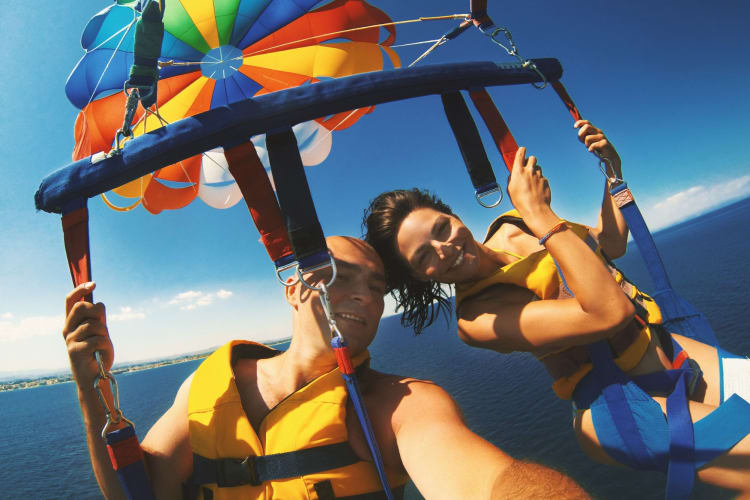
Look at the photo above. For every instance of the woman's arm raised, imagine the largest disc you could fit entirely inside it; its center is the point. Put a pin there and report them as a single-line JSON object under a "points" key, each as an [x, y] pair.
{"points": [[507, 319]]}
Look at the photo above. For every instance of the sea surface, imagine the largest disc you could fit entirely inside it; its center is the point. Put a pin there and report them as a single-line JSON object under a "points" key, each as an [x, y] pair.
{"points": [[505, 398]]}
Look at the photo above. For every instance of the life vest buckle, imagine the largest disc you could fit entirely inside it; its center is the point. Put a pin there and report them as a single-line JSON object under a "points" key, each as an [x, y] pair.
{"points": [[236, 472]]}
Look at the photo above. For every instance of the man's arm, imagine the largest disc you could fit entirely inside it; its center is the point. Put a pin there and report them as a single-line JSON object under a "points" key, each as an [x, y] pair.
{"points": [[85, 331], [447, 460], [169, 457], [611, 230]]}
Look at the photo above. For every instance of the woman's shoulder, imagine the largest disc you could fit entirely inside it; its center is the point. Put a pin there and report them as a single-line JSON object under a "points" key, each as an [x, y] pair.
{"points": [[509, 220]]}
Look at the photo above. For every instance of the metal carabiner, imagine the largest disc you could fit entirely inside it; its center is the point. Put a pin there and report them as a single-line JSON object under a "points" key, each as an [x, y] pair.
{"points": [[328, 310], [114, 415], [513, 51], [605, 163], [331, 263], [479, 196]]}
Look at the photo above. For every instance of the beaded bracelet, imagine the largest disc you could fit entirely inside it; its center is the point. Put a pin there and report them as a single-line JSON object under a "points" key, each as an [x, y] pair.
{"points": [[560, 226]]}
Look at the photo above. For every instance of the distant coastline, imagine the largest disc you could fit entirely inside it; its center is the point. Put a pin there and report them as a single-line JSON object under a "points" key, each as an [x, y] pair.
{"points": [[31, 382]]}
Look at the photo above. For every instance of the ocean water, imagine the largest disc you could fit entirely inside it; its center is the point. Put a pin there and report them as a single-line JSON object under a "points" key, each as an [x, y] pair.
{"points": [[505, 398]]}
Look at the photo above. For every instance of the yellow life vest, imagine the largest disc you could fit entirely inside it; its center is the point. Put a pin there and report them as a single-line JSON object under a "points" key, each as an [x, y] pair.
{"points": [[312, 417], [538, 273]]}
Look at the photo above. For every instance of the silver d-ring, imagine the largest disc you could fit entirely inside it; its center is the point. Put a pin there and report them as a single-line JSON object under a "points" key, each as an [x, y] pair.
{"points": [[331, 263], [495, 189], [287, 267]]}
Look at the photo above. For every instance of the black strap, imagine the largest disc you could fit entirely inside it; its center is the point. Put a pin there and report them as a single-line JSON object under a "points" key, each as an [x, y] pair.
{"points": [[228, 472], [324, 489], [469, 142], [295, 200]]}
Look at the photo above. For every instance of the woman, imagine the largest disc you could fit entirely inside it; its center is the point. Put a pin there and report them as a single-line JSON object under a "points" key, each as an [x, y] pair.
{"points": [[543, 285]]}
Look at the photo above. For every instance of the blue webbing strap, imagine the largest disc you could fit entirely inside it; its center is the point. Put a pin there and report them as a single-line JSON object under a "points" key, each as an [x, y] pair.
{"points": [[678, 315], [127, 461], [469, 142], [295, 200], [255, 470], [681, 469], [350, 377], [622, 415]]}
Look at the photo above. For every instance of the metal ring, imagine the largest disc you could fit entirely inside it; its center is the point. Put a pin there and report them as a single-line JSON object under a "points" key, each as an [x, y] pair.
{"points": [[331, 263], [287, 267], [495, 189]]}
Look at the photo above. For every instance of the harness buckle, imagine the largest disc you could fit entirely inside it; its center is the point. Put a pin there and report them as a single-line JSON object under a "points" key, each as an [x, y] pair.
{"points": [[235, 472], [695, 376]]}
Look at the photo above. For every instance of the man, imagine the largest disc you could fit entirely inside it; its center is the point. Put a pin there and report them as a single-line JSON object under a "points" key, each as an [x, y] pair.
{"points": [[257, 394]]}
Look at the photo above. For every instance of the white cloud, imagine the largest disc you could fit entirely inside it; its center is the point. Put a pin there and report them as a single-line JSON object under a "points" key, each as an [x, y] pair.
{"points": [[184, 297], [126, 314], [694, 201], [192, 299], [33, 326], [6, 316]]}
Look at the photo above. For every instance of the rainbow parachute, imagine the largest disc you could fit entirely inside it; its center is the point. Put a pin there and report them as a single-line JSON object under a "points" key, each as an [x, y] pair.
{"points": [[215, 53]]}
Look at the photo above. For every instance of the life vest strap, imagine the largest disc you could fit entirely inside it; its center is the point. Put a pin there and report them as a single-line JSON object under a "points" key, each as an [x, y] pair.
{"points": [[252, 179], [324, 489], [254, 471]]}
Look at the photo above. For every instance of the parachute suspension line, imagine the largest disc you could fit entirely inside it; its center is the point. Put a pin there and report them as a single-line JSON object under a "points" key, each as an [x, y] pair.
{"points": [[414, 43], [440, 41], [330, 131], [113, 35], [360, 28], [109, 62], [118, 208]]}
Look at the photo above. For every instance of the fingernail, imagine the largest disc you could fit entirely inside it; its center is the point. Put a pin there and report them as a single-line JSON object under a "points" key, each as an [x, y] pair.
{"points": [[88, 284]]}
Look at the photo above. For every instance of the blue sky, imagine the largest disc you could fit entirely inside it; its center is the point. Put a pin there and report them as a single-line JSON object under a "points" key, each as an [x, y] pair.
{"points": [[665, 80]]}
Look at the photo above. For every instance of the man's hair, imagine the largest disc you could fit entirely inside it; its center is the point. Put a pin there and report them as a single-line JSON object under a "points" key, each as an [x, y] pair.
{"points": [[381, 222]]}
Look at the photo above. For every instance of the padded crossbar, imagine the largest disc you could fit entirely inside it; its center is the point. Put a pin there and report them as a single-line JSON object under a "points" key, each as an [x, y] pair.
{"points": [[277, 110]]}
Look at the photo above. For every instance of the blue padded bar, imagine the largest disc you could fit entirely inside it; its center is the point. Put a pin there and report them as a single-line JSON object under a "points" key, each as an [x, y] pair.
{"points": [[277, 110]]}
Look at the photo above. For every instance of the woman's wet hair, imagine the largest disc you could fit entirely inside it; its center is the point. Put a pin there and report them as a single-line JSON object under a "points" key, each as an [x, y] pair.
{"points": [[380, 224]]}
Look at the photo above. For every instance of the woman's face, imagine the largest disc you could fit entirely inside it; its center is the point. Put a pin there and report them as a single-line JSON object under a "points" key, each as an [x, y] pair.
{"points": [[437, 246]]}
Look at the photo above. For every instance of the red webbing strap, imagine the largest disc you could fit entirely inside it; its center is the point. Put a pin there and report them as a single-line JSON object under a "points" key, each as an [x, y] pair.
{"points": [[504, 140], [124, 453], [75, 226], [478, 10], [565, 98], [252, 179]]}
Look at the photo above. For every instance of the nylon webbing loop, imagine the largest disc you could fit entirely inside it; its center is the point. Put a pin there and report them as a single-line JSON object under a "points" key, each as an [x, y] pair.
{"points": [[229, 472], [127, 460], [494, 122], [252, 179], [469, 142], [295, 201], [75, 224]]}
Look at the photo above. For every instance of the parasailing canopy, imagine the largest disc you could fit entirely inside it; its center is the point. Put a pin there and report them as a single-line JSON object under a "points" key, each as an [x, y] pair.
{"points": [[214, 54]]}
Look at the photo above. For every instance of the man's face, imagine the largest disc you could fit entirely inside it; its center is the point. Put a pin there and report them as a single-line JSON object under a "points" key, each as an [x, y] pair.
{"points": [[356, 294]]}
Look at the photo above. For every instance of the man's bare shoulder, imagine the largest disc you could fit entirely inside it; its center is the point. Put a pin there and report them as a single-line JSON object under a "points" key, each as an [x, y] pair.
{"points": [[407, 394]]}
